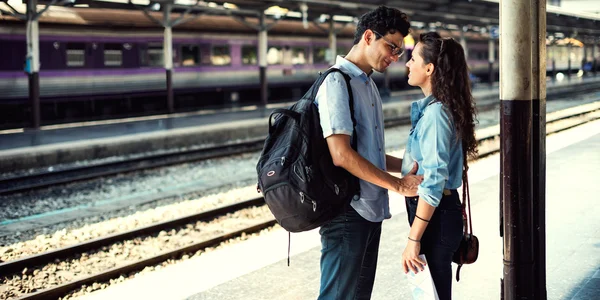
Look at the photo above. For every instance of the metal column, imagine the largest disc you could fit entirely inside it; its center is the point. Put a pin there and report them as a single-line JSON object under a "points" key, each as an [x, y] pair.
{"points": [[516, 149], [569, 49], [332, 40], [594, 61], [491, 59], [32, 62], [538, 145], [262, 60], [463, 43], [585, 53], [552, 51], [168, 57]]}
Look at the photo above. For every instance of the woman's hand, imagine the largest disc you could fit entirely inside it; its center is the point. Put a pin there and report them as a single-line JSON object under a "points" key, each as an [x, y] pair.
{"points": [[410, 258]]}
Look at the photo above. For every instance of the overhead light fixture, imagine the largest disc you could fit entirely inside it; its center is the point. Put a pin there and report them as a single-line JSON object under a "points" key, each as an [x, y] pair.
{"points": [[347, 19], [230, 5], [276, 11]]}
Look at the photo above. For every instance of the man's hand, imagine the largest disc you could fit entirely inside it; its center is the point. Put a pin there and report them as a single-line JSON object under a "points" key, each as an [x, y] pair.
{"points": [[407, 185]]}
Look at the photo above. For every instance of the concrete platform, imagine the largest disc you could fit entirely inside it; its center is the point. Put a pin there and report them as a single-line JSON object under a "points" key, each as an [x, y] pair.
{"points": [[64, 144], [256, 269]]}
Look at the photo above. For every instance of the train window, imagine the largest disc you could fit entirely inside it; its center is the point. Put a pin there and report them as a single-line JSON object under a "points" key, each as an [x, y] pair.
{"points": [[274, 55], [113, 55], [153, 56], [190, 55], [220, 55], [319, 55], [249, 55], [75, 54], [299, 55]]}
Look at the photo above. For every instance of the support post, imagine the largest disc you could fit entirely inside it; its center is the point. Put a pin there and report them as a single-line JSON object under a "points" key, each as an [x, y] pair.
{"points": [[463, 43], [491, 59], [585, 53], [552, 51], [515, 149], [32, 62], [262, 60], [168, 57], [332, 40], [594, 60], [538, 145], [569, 49]]}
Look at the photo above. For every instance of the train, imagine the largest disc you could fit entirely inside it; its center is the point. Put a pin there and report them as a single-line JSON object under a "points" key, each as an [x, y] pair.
{"points": [[105, 62]]}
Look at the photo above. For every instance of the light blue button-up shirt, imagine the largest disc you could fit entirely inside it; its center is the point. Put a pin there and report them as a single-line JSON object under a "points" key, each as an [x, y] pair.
{"points": [[432, 143], [334, 111]]}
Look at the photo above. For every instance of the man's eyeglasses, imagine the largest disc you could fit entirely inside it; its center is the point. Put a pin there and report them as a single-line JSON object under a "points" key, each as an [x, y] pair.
{"points": [[395, 49]]}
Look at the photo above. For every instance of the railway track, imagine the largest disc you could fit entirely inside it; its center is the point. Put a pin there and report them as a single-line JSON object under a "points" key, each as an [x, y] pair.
{"points": [[45, 179], [556, 122]]}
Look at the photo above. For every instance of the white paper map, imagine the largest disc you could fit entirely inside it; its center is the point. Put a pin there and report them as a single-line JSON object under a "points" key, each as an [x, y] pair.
{"points": [[421, 284]]}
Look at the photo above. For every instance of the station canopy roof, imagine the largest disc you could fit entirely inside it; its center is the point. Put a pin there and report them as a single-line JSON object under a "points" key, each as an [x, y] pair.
{"points": [[465, 15]]}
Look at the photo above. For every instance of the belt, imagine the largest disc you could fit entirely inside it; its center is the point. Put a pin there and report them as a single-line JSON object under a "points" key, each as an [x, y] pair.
{"points": [[446, 192]]}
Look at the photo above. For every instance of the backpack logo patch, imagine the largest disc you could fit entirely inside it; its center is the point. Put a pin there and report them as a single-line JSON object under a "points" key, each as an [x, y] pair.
{"points": [[271, 173]]}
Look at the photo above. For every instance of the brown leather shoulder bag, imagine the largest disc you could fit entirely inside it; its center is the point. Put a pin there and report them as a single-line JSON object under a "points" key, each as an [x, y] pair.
{"points": [[468, 250]]}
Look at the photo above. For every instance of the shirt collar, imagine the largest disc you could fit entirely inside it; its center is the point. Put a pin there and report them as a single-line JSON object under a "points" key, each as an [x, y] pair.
{"points": [[349, 68], [417, 108]]}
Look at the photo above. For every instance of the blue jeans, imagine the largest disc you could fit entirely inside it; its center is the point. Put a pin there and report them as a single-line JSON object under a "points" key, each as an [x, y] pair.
{"points": [[350, 245], [441, 239]]}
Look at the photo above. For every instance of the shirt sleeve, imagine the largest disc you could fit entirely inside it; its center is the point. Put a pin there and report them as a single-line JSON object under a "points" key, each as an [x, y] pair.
{"points": [[435, 139], [334, 109]]}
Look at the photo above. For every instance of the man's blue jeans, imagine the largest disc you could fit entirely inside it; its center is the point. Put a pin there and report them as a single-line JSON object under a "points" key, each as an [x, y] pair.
{"points": [[349, 248]]}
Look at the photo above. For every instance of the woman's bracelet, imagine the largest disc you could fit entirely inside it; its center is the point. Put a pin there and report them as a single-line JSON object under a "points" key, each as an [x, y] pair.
{"points": [[416, 241], [421, 219]]}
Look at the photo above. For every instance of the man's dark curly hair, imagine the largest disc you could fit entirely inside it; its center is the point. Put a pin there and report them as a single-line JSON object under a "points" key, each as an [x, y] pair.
{"points": [[384, 20], [450, 84]]}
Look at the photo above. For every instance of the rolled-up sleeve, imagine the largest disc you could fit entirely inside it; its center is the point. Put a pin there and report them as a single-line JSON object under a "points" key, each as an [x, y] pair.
{"points": [[334, 110], [435, 136]]}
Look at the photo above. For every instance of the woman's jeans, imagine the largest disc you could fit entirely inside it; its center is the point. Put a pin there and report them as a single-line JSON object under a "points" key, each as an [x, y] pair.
{"points": [[441, 239], [350, 245]]}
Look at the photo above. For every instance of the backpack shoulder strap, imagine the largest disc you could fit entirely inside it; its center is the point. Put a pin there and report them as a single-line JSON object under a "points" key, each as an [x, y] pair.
{"points": [[350, 101]]}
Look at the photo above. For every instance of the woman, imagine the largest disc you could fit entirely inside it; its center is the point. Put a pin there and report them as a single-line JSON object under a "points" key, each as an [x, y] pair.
{"points": [[443, 126]]}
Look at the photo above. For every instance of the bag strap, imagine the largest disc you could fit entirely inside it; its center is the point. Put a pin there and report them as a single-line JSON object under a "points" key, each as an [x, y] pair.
{"points": [[466, 203], [350, 100]]}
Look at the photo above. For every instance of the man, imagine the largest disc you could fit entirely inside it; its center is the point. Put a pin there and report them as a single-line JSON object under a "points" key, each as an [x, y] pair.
{"points": [[350, 242]]}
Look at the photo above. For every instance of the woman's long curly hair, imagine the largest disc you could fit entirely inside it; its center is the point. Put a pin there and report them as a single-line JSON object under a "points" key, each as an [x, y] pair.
{"points": [[450, 84]]}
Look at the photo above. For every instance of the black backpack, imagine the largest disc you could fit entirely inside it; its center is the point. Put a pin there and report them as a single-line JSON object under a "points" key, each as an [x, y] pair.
{"points": [[296, 175]]}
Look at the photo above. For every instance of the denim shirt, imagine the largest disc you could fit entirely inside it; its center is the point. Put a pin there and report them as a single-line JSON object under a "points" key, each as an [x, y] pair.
{"points": [[433, 145], [334, 112]]}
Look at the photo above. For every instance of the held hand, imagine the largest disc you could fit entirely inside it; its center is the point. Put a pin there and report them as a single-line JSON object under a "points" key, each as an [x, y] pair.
{"points": [[410, 182], [410, 258]]}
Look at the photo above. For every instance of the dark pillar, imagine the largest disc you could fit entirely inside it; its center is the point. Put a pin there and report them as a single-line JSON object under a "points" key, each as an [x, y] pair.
{"points": [[538, 145], [34, 97], [516, 150], [170, 94]]}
